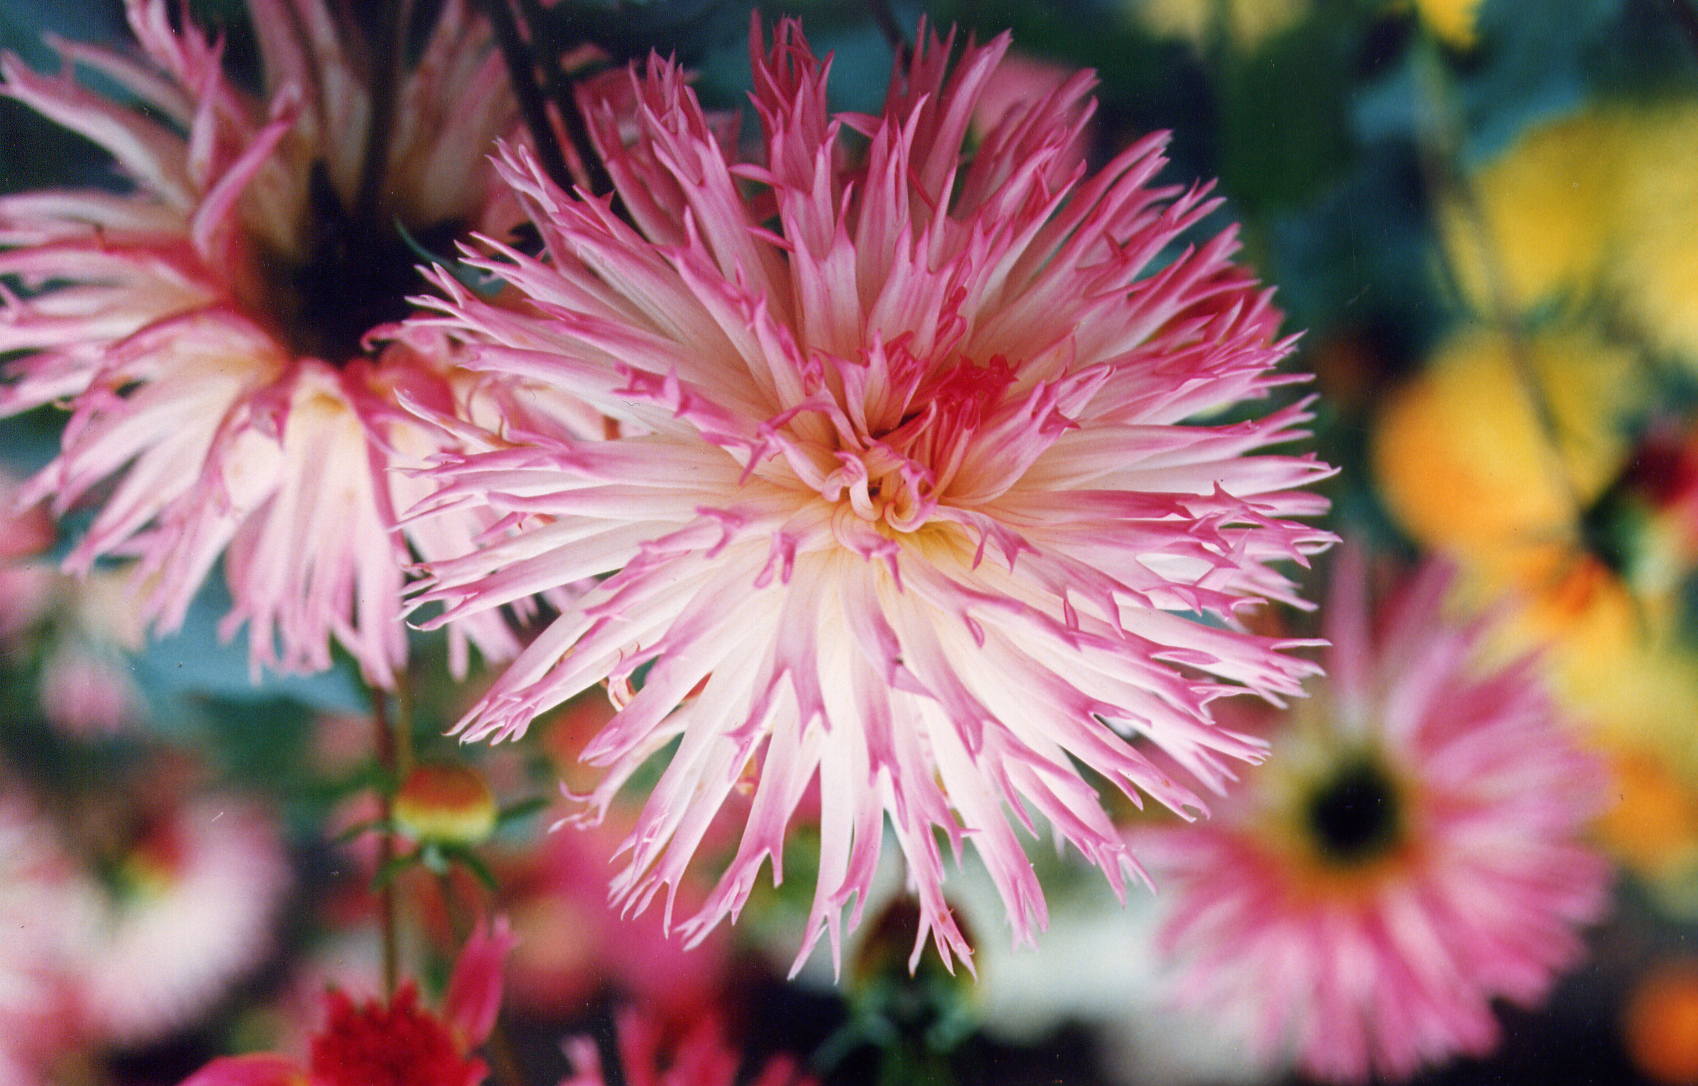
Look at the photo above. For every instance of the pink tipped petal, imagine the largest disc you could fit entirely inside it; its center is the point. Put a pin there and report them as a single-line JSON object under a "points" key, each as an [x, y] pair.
{"points": [[263, 1070], [474, 991]]}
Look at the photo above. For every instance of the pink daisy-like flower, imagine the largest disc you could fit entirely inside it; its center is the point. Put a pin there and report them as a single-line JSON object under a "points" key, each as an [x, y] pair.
{"points": [[211, 326], [908, 506], [192, 910], [393, 1042], [1411, 852], [700, 1058], [46, 909]]}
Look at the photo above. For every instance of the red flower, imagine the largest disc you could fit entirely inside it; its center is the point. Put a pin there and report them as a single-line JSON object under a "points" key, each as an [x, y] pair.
{"points": [[393, 1043]]}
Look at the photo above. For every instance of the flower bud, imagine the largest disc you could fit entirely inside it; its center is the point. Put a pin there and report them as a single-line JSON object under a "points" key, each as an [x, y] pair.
{"points": [[445, 804]]}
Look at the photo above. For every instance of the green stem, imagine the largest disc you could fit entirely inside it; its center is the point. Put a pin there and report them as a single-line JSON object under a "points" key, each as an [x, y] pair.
{"points": [[521, 74], [892, 30], [384, 735], [386, 72]]}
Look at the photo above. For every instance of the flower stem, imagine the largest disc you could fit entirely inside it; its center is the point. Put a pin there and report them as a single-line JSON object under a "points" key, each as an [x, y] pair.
{"points": [[885, 17], [521, 74], [385, 74], [384, 735]]}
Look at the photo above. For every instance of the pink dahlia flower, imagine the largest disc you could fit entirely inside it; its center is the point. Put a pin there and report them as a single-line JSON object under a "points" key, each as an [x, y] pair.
{"points": [[394, 1042], [1411, 852], [908, 509], [700, 1058], [215, 338], [196, 897]]}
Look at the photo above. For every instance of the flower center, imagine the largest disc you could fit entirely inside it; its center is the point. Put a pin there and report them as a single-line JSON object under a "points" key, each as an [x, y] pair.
{"points": [[397, 1045], [895, 470], [1355, 815], [348, 274]]}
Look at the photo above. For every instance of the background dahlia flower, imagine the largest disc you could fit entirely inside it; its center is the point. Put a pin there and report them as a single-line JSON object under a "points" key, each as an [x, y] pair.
{"points": [[392, 1040], [46, 913], [908, 506], [192, 909], [1411, 852], [211, 323]]}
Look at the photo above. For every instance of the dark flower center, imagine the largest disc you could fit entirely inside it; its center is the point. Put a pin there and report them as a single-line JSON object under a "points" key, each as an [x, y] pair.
{"points": [[1355, 814], [353, 275]]}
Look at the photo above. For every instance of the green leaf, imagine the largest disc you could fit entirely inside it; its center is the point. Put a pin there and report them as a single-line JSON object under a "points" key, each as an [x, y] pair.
{"points": [[523, 809], [470, 861], [394, 868]]}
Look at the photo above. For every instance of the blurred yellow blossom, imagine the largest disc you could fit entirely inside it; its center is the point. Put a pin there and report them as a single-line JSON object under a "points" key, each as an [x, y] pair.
{"points": [[1600, 203], [1543, 214], [1463, 458], [1652, 828], [1655, 272], [1454, 22], [1244, 24]]}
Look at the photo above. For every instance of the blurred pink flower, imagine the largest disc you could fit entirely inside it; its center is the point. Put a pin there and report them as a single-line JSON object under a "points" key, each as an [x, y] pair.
{"points": [[193, 907], [86, 687], [908, 490], [1411, 852], [394, 1042], [46, 915], [213, 327], [574, 943], [25, 581], [85, 691], [700, 1058]]}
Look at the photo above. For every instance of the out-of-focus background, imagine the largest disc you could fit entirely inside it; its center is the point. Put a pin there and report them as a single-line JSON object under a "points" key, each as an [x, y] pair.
{"points": [[1483, 217]]}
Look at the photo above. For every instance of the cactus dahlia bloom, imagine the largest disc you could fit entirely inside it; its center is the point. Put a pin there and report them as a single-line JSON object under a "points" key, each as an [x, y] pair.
{"points": [[209, 323], [908, 511], [1412, 852]]}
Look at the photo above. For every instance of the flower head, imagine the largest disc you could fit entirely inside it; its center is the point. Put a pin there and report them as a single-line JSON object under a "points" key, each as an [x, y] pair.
{"points": [[46, 912], [214, 325], [194, 899], [908, 503], [1410, 853], [393, 1042]]}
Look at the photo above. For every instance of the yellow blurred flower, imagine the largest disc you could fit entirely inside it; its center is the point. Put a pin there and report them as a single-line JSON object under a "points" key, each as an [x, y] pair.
{"points": [[1544, 214], [1467, 466], [1244, 24], [1653, 826], [1453, 22], [1600, 203], [1614, 656], [1463, 459], [1655, 270]]}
